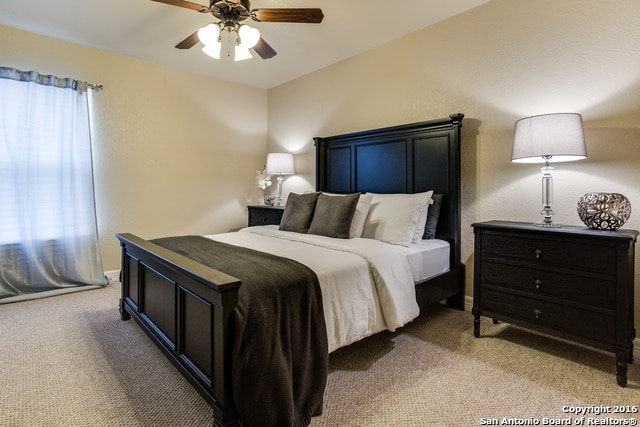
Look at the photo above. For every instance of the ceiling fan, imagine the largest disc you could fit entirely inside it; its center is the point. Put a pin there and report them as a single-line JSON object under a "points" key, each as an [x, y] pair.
{"points": [[231, 14]]}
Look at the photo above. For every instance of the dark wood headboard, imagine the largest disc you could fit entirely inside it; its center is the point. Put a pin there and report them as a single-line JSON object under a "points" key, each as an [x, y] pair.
{"points": [[410, 158]]}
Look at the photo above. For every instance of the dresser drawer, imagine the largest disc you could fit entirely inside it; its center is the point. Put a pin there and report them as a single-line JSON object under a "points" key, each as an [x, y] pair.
{"points": [[561, 253], [591, 325], [571, 287]]}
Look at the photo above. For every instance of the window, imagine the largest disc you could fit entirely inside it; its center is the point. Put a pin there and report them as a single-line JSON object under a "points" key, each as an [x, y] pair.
{"points": [[48, 231]]}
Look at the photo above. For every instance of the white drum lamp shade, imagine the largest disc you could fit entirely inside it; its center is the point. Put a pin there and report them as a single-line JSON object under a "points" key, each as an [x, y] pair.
{"points": [[280, 164]]}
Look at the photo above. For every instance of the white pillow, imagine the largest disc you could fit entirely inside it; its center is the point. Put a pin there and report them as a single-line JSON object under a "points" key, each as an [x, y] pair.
{"points": [[360, 215], [422, 224], [393, 218]]}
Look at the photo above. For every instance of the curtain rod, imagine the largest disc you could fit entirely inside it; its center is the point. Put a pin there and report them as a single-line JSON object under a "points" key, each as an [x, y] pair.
{"points": [[48, 80]]}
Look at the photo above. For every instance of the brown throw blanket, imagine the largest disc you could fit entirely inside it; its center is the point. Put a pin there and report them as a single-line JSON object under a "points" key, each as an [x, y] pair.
{"points": [[281, 356]]}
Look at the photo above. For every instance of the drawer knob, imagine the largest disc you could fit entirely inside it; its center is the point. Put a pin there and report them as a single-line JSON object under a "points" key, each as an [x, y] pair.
{"points": [[538, 283], [538, 253], [537, 313]]}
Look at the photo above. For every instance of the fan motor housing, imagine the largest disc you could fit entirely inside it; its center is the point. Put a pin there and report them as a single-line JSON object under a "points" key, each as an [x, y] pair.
{"points": [[230, 12]]}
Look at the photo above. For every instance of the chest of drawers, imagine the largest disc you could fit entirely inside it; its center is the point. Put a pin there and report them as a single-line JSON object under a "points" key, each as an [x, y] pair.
{"points": [[571, 282]]}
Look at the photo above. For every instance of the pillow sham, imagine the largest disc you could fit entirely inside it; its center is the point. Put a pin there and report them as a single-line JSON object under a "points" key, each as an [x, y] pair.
{"points": [[298, 212], [393, 217], [433, 214], [333, 215], [359, 216], [418, 231]]}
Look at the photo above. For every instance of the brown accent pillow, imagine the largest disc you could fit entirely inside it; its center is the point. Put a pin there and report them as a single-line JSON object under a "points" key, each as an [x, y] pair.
{"points": [[333, 215], [298, 212]]}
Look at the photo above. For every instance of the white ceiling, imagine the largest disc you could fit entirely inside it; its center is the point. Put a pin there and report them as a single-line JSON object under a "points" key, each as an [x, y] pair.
{"points": [[149, 30]]}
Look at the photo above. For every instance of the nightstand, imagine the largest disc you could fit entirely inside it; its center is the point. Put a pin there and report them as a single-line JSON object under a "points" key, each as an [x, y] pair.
{"points": [[570, 282], [264, 215]]}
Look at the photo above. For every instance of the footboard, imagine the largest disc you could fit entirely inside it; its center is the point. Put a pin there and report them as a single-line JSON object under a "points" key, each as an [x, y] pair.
{"points": [[187, 309]]}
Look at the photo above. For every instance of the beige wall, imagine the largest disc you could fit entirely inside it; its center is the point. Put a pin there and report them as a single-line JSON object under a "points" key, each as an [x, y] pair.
{"points": [[181, 160], [172, 154], [497, 63]]}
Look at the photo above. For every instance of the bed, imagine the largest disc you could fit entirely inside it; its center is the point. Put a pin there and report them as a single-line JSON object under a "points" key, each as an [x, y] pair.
{"points": [[196, 312]]}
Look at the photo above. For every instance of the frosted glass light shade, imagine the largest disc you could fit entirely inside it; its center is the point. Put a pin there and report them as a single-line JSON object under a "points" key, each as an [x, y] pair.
{"points": [[241, 53], [280, 164], [213, 50], [209, 34], [549, 137], [249, 36]]}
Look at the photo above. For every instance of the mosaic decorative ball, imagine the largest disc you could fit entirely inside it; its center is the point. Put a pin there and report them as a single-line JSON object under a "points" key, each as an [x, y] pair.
{"points": [[604, 211]]}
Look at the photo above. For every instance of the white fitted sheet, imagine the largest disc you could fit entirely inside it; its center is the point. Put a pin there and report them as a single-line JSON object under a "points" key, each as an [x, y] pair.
{"points": [[428, 258]]}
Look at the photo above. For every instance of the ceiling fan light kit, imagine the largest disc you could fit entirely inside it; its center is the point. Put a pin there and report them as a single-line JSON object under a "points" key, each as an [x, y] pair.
{"points": [[246, 38], [230, 14]]}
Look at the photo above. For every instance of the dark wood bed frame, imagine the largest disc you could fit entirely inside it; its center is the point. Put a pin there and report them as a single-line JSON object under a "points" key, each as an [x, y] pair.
{"points": [[188, 309]]}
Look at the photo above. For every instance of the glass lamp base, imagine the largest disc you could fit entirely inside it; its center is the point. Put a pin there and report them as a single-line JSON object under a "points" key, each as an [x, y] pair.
{"points": [[547, 198]]}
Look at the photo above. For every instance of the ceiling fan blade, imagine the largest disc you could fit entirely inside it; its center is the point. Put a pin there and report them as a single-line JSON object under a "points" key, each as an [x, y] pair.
{"points": [[186, 4], [309, 16], [189, 42], [263, 49]]}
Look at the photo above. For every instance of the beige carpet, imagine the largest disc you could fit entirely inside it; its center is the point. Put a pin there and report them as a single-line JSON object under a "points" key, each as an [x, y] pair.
{"points": [[70, 361]]}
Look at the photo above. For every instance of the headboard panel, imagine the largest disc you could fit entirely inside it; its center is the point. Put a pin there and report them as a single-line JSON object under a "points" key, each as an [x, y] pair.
{"points": [[409, 158]]}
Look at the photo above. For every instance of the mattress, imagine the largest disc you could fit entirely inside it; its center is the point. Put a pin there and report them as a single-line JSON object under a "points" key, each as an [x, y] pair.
{"points": [[428, 258]]}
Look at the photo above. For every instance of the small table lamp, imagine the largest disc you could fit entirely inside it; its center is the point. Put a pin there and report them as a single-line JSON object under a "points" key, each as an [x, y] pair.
{"points": [[544, 139], [280, 164]]}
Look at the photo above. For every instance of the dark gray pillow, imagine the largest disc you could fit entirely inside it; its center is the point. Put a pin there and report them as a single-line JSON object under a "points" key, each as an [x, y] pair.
{"points": [[333, 215], [298, 212], [432, 217]]}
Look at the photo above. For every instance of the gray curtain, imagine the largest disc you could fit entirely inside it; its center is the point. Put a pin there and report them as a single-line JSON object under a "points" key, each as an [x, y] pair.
{"points": [[48, 228]]}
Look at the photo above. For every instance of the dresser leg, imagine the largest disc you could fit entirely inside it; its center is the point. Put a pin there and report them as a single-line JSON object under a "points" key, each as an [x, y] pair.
{"points": [[621, 371]]}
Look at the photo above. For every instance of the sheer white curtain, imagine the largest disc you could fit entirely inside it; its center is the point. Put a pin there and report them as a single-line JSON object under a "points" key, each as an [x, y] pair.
{"points": [[48, 231]]}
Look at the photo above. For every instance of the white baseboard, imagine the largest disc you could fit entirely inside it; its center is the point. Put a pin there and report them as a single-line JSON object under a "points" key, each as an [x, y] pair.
{"points": [[468, 304], [113, 274]]}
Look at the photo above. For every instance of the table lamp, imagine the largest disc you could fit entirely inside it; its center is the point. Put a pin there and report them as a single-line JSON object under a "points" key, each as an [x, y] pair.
{"points": [[280, 164], [545, 139]]}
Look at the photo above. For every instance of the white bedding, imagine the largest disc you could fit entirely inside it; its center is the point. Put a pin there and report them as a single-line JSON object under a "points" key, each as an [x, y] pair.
{"points": [[367, 285]]}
